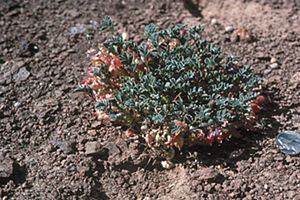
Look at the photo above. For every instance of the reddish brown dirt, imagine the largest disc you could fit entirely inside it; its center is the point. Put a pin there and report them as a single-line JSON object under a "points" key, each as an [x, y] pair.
{"points": [[46, 130]]}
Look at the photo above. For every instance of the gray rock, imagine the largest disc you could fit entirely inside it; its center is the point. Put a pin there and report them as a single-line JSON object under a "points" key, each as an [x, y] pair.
{"points": [[67, 147], [112, 149], [229, 29], [92, 148], [236, 153], [207, 174], [167, 164], [273, 60], [214, 21], [295, 78], [21, 75], [6, 167], [7, 69], [291, 194], [78, 29], [267, 71], [274, 65]]}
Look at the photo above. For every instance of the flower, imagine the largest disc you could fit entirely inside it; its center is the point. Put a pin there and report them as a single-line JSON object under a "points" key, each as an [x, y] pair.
{"points": [[180, 123], [215, 135], [149, 139], [115, 65], [173, 44], [177, 141], [102, 97], [87, 81], [90, 72], [210, 140], [91, 52], [130, 132], [102, 116], [255, 108], [260, 99], [183, 32]]}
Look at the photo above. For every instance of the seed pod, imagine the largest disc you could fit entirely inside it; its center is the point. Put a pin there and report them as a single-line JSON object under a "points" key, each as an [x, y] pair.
{"points": [[255, 108], [260, 99], [130, 132]]}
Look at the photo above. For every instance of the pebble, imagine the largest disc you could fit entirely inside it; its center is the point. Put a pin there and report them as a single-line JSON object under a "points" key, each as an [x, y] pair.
{"points": [[236, 153], [6, 168], [288, 159], [207, 188], [296, 78], [167, 164], [92, 132], [274, 65], [207, 174], [78, 29], [273, 60], [125, 36], [67, 147], [236, 184], [21, 75], [92, 148], [244, 35], [213, 21], [229, 29], [291, 194], [96, 124], [267, 71], [17, 104], [28, 49]]}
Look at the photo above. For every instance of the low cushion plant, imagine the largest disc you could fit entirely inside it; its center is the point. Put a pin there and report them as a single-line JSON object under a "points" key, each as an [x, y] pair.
{"points": [[174, 88]]}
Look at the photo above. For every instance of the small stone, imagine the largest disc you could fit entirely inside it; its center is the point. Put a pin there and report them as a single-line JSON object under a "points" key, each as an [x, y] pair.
{"points": [[278, 158], [273, 60], [96, 124], [295, 78], [267, 71], [76, 30], [274, 65], [92, 132], [92, 148], [28, 49], [229, 29], [288, 159], [291, 194], [84, 170], [262, 56], [112, 149], [67, 147], [213, 21], [125, 36], [207, 188], [244, 35], [49, 148], [17, 104], [6, 168], [232, 194], [207, 174], [236, 184], [167, 164], [21, 75], [236, 153]]}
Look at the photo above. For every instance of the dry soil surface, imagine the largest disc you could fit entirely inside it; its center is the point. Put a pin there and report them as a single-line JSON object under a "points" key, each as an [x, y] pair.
{"points": [[51, 146]]}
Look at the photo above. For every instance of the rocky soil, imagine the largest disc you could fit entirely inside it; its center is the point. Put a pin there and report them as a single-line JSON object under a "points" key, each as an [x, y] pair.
{"points": [[51, 146]]}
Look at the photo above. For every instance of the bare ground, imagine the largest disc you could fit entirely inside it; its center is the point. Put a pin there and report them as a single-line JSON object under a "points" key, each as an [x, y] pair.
{"points": [[46, 131]]}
